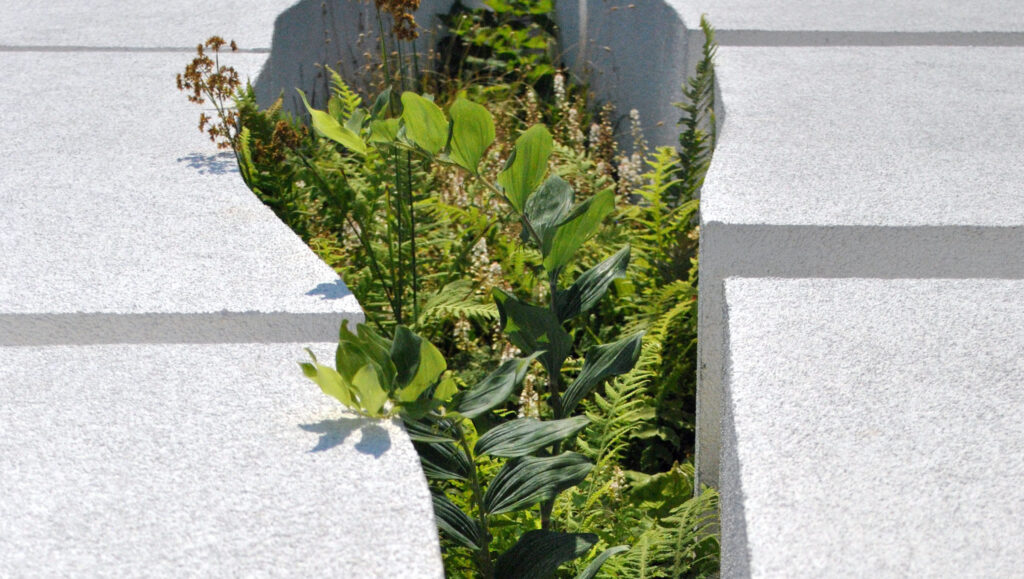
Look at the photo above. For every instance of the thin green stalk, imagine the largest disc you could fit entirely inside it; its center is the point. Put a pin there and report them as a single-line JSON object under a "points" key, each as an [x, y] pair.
{"points": [[483, 554]]}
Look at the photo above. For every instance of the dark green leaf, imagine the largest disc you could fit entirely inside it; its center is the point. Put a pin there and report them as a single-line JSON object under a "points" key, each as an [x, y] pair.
{"points": [[591, 286], [546, 208], [577, 228], [528, 166], [455, 523], [602, 362], [425, 124], [472, 133], [524, 482], [495, 388], [533, 329], [538, 554], [405, 353], [595, 565], [420, 431], [524, 436], [443, 461]]}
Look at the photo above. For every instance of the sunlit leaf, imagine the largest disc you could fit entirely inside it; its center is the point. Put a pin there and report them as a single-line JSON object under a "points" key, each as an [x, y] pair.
{"points": [[577, 228], [528, 165], [425, 124], [329, 127], [472, 133]]}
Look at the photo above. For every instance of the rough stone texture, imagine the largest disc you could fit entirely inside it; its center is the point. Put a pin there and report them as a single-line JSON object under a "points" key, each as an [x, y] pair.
{"points": [[852, 15], [118, 205], [858, 162], [131, 25], [874, 428], [200, 460]]}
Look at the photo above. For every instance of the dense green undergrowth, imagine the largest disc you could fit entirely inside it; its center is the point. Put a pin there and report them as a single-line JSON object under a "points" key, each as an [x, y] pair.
{"points": [[529, 287]]}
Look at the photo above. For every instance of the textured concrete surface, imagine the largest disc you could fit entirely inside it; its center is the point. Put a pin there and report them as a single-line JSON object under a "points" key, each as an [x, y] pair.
{"points": [[200, 460], [904, 127], [858, 162], [867, 15], [874, 429], [122, 25], [153, 419], [118, 205]]}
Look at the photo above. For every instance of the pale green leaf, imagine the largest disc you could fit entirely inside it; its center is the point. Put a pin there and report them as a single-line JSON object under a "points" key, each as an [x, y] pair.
{"points": [[329, 127], [578, 227], [425, 124], [528, 165], [472, 133]]}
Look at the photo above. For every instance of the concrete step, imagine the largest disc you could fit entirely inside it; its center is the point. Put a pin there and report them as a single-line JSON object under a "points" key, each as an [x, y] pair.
{"points": [[873, 428], [200, 460], [858, 162]]}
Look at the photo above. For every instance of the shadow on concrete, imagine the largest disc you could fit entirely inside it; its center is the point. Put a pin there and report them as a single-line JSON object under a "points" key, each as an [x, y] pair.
{"points": [[217, 164], [375, 440], [335, 290]]}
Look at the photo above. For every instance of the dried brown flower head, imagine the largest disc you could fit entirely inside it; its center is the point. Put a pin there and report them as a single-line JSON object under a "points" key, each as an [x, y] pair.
{"points": [[403, 23], [204, 78]]}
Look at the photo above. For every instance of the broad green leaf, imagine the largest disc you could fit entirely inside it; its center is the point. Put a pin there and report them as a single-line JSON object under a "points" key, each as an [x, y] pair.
{"points": [[591, 286], [540, 553], [495, 388], [425, 124], [356, 350], [367, 388], [577, 228], [405, 353], [431, 366], [454, 523], [446, 389], [528, 165], [524, 482], [524, 436], [385, 131], [533, 329], [591, 571], [546, 208], [602, 362], [472, 133], [443, 461], [329, 127], [420, 431], [355, 122], [330, 381]]}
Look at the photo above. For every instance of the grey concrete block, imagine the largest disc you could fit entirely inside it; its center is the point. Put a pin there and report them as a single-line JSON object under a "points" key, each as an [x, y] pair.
{"points": [[117, 206], [199, 461], [849, 15], [874, 428], [117, 24], [858, 162]]}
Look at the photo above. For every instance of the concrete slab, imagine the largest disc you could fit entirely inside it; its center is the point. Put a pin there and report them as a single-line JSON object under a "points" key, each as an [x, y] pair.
{"points": [[874, 428], [852, 15], [119, 24], [858, 162], [200, 460], [118, 206]]}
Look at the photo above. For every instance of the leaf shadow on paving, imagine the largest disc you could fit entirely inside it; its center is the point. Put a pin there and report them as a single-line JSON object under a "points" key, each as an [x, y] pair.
{"points": [[375, 439]]}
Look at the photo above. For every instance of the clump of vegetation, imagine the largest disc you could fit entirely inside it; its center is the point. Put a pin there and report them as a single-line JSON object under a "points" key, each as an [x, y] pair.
{"points": [[467, 224]]}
